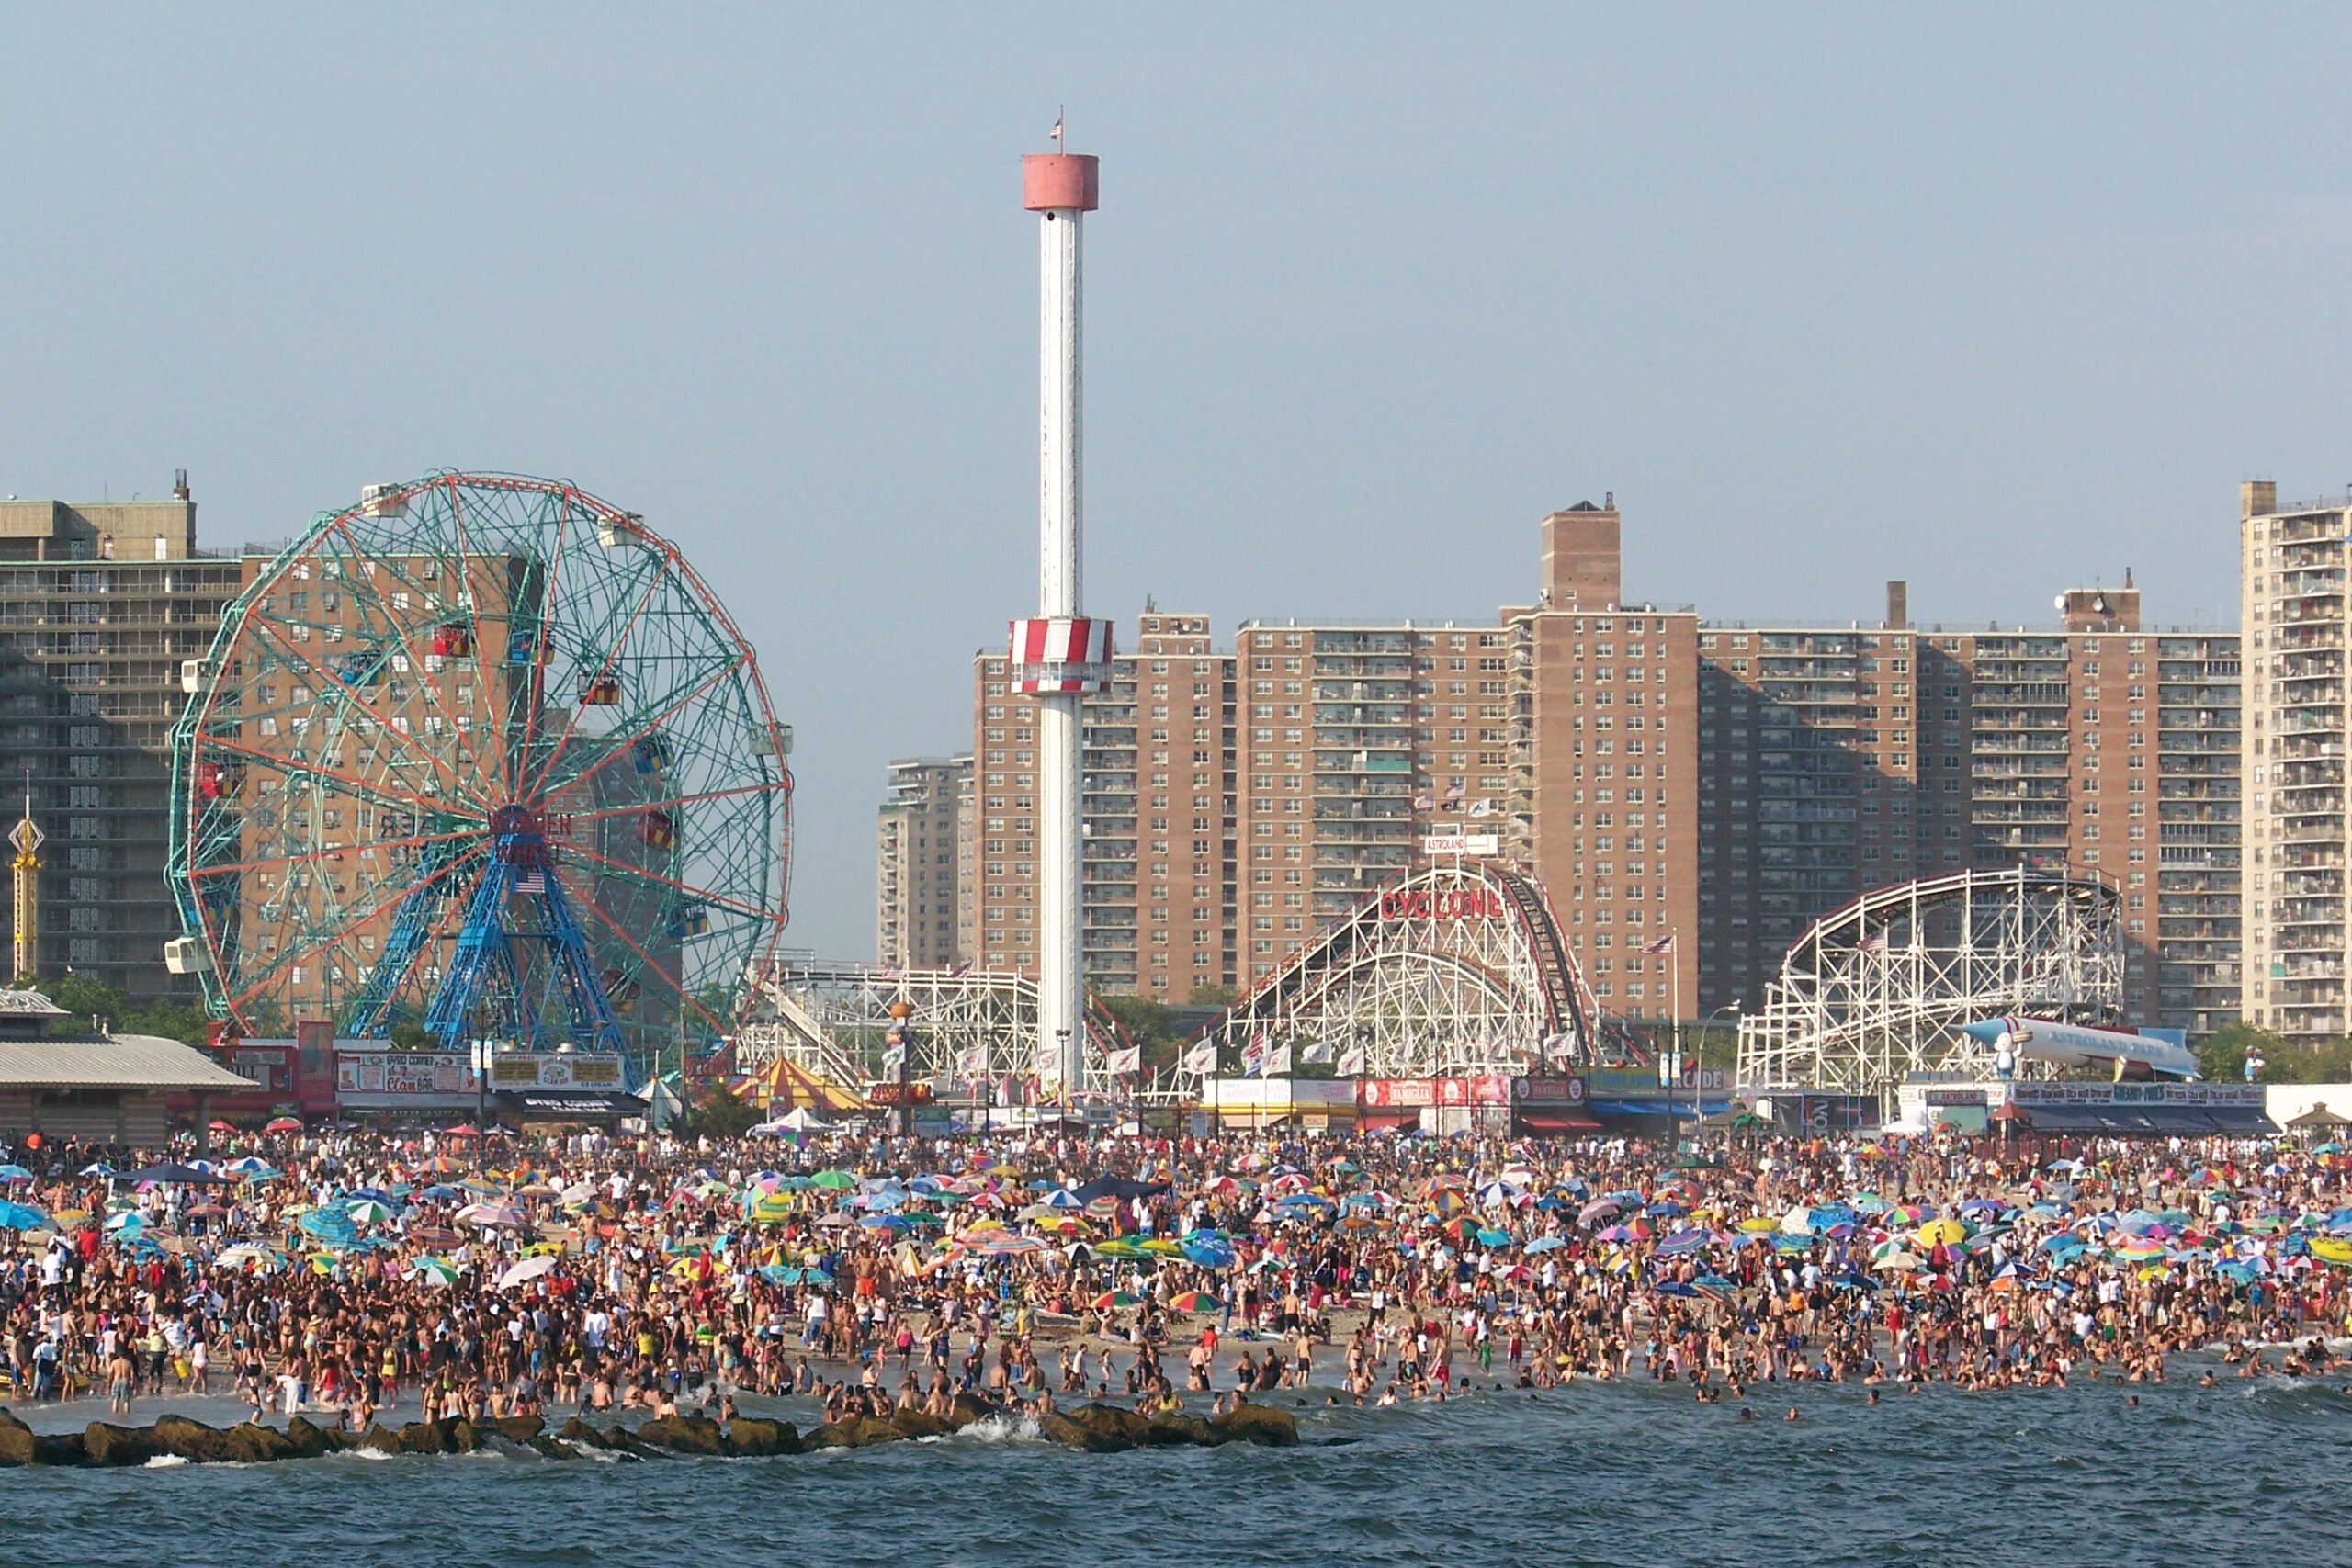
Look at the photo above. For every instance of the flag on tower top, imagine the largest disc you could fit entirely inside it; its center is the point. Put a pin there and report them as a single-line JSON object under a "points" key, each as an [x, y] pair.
{"points": [[1057, 132]]}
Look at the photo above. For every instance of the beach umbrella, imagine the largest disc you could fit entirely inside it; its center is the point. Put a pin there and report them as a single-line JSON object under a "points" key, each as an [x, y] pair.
{"points": [[1544, 1243], [367, 1211], [834, 1180], [282, 1124], [245, 1253], [1193, 1300], [1679, 1243], [2332, 1249], [252, 1168], [492, 1216], [180, 1173], [1208, 1252], [523, 1273], [218, 1125], [1942, 1232], [1113, 1300], [20, 1217], [435, 1270], [1899, 1262], [15, 1173]]}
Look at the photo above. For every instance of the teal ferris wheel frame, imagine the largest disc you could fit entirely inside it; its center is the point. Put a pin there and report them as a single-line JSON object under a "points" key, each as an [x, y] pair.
{"points": [[482, 755]]}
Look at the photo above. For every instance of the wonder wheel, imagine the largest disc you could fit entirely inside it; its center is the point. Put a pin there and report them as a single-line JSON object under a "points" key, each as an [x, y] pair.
{"points": [[483, 757]]}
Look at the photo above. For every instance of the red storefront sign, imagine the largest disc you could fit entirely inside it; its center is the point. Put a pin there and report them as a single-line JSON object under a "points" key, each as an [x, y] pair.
{"points": [[1411, 1094]]}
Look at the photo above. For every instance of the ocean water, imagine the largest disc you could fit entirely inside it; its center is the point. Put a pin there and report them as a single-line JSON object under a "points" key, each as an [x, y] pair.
{"points": [[1618, 1474]]}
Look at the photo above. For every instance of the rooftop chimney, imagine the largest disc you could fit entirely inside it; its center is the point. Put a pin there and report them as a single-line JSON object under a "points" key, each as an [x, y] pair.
{"points": [[2257, 498], [179, 484], [1898, 605]]}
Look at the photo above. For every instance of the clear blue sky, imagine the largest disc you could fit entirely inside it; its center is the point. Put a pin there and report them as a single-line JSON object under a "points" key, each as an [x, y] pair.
{"points": [[1995, 299]]}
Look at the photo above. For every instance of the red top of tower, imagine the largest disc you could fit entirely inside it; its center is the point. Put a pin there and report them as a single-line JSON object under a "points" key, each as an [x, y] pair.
{"points": [[1051, 180]]}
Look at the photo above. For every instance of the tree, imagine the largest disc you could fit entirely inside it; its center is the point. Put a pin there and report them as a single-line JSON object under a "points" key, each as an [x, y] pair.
{"points": [[1213, 997], [717, 1114], [410, 1035], [84, 997], [1152, 1026], [2221, 1055]]}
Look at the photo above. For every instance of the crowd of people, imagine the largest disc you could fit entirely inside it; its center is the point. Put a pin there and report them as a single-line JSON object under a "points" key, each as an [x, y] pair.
{"points": [[362, 1273]]}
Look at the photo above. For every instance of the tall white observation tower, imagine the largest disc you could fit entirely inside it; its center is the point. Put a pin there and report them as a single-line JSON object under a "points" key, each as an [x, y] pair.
{"points": [[1060, 655]]}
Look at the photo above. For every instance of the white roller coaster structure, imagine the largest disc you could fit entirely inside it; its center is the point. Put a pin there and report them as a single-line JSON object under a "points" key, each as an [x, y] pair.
{"points": [[1461, 968], [967, 1028], [1880, 989]]}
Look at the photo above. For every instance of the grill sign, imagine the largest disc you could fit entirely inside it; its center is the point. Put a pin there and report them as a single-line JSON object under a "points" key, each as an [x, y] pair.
{"points": [[1441, 904]]}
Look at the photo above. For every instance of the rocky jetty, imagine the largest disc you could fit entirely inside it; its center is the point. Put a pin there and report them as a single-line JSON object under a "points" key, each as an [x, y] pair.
{"points": [[1097, 1428]]}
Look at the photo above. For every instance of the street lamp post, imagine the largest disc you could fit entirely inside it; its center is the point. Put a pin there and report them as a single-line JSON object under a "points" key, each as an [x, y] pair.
{"points": [[1697, 1077], [482, 1099], [1061, 1040]]}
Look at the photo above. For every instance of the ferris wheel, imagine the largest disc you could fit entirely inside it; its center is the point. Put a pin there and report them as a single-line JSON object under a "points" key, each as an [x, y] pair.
{"points": [[484, 756]]}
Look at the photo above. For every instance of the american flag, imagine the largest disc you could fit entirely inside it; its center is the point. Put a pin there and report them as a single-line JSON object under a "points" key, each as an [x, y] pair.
{"points": [[1663, 945], [1875, 942], [531, 881], [1457, 790], [1057, 132], [1423, 802]]}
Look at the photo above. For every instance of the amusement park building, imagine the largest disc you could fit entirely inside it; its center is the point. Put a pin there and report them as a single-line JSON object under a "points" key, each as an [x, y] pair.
{"points": [[920, 864], [2292, 572], [99, 604], [1693, 794]]}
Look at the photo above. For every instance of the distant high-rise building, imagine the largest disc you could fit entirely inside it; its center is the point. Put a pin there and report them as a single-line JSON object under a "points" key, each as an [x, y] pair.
{"points": [[918, 863], [1693, 794], [1352, 742], [1158, 817], [2293, 616], [1835, 761], [100, 602], [1602, 734]]}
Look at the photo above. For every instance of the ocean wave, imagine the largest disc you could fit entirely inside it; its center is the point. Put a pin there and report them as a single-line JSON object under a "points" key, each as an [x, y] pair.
{"points": [[165, 1462], [1003, 1429]]}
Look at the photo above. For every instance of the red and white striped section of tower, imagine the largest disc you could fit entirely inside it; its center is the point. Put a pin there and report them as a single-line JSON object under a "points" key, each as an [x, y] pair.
{"points": [[1060, 655]]}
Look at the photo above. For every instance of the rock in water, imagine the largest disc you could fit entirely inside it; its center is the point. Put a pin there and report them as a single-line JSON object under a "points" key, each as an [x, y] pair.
{"points": [[1260, 1423], [684, 1433], [16, 1440], [250, 1444], [1166, 1431], [748, 1437], [309, 1441], [191, 1440], [107, 1444], [1124, 1427]]}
